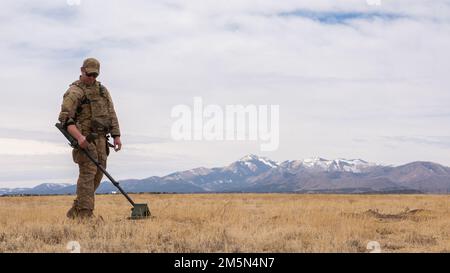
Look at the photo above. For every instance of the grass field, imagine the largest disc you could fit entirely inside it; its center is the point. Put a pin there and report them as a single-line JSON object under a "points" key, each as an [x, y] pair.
{"points": [[231, 223]]}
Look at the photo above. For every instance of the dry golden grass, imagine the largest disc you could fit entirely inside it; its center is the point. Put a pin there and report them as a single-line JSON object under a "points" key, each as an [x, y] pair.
{"points": [[232, 223]]}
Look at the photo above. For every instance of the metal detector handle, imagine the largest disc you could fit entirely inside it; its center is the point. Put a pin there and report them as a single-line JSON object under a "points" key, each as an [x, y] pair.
{"points": [[74, 144], [72, 141]]}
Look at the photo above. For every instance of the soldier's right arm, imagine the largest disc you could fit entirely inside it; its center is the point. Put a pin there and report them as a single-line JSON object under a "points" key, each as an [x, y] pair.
{"points": [[71, 101]]}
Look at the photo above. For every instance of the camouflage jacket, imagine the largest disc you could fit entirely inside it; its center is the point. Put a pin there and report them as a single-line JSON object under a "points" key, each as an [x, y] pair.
{"points": [[90, 108]]}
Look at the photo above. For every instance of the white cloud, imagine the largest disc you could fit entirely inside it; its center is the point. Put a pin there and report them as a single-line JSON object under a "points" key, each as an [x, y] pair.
{"points": [[22, 147]]}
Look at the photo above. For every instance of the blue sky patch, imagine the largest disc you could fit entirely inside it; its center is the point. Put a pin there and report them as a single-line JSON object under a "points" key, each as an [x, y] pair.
{"points": [[340, 17]]}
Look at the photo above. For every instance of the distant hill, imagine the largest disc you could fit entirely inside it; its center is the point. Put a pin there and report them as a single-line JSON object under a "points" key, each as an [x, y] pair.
{"points": [[259, 174]]}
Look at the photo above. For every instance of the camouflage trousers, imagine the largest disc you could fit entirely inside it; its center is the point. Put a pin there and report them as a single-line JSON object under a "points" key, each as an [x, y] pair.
{"points": [[89, 175]]}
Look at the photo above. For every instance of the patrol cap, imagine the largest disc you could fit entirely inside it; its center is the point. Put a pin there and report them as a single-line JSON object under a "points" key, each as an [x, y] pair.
{"points": [[91, 65]]}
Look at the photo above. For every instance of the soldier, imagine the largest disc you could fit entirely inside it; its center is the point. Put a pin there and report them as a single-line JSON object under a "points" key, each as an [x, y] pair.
{"points": [[87, 109]]}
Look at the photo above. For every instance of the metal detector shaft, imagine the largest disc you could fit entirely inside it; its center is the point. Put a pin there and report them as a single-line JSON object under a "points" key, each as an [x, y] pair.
{"points": [[115, 183], [74, 144]]}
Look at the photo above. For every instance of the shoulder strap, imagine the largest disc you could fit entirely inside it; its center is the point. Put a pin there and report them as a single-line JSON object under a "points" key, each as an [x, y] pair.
{"points": [[84, 99], [102, 89]]}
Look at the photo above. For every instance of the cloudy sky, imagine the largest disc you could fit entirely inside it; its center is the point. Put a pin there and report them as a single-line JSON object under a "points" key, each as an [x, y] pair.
{"points": [[352, 80]]}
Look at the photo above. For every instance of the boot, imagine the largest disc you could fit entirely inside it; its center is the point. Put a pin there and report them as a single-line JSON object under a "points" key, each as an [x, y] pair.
{"points": [[80, 214], [72, 213], [85, 214]]}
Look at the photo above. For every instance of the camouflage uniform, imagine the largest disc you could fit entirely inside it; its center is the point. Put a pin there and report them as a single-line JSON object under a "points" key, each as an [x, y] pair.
{"points": [[91, 109]]}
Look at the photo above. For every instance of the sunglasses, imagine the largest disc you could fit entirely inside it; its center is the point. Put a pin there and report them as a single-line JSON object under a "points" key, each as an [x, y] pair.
{"points": [[92, 75]]}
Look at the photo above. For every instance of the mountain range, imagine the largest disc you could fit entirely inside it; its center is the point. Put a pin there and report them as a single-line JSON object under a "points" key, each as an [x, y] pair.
{"points": [[259, 174]]}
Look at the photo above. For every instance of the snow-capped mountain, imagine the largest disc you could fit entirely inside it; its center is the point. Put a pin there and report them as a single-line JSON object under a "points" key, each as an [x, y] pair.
{"points": [[251, 164], [48, 187], [252, 173], [5, 191], [230, 178], [45, 188], [324, 165], [254, 159]]}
